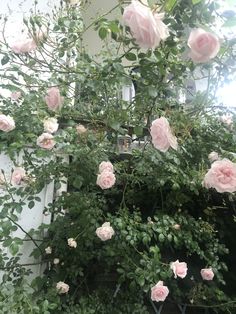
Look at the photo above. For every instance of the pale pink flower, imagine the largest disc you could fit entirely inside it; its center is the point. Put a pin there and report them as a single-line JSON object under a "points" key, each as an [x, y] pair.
{"points": [[159, 292], [56, 261], [179, 269], [106, 179], [105, 232], [80, 129], [146, 28], [227, 119], [106, 166], [15, 95], [62, 287], [50, 125], [176, 226], [72, 243], [7, 123], [48, 250], [204, 45], [46, 141], [207, 273], [221, 176], [54, 99], [24, 46], [213, 156], [162, 137], [18, 176]]}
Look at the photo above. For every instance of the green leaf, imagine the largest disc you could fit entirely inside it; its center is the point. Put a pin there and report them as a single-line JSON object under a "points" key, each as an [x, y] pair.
{"points": [[130, 56], [31, 204], [196, 1], [5, 60], [230, 22], [102, 33], [138, 130], [14, 248], [169, 5]]}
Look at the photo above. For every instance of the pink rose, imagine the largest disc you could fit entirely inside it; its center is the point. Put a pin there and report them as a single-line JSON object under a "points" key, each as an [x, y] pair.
{"points": [[106, 166], [15, 95], [62, 287], [106, 179], [207, 274], [18, 176], [80, 129], [159, 292], [105, 232], [146, 28], [179, 269], [53, 99], [24, 46], [213, 156], [221, 176], [204, 45], [162, 137], [46, 141], [50, 125], [227, 119], [6, 123]]}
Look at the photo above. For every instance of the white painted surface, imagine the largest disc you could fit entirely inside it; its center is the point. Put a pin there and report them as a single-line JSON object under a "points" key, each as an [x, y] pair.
{"points": [[29, 218]]}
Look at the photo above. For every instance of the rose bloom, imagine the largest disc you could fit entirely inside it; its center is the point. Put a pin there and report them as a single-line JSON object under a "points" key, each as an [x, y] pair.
{"points": [[46, 141], [162, 137], [18, 176], [176, 226], [53, 99], [15, 95], [207, 273], [106, 179], [221, 176], [80, 129], [204, 45], [106, 166], [24, 46], [159, 292], [227, 119], [62, 287], [213, 156], [56, 261], [72, 243], [146, 28], [7, 123], [105, 232], [48, 250], [179, 269], [50, 125]]}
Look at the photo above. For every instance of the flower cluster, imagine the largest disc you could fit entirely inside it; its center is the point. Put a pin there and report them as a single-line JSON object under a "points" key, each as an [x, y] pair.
{"points": [[106, 177]]}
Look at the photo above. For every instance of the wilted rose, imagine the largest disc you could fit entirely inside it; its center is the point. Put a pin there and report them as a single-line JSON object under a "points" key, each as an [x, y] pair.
{"points": [[54, 99], [46, 141]]}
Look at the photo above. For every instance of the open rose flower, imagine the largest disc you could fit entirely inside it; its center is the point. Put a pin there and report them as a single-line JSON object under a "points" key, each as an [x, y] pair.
{"points": [[106, 179], [72, 243], [221, 176], [179, 269], [159, 292], [48, 250], [204, 45], [162, 137], [7, 123], [227, 119], [146, 28], [24, 46], [62, 287], [46, 141], [105, 232], [54, 99], [56, 261], [207, 273], [106, 166], [15, 95], [50, 125], [18, 176], [81, 129]]}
